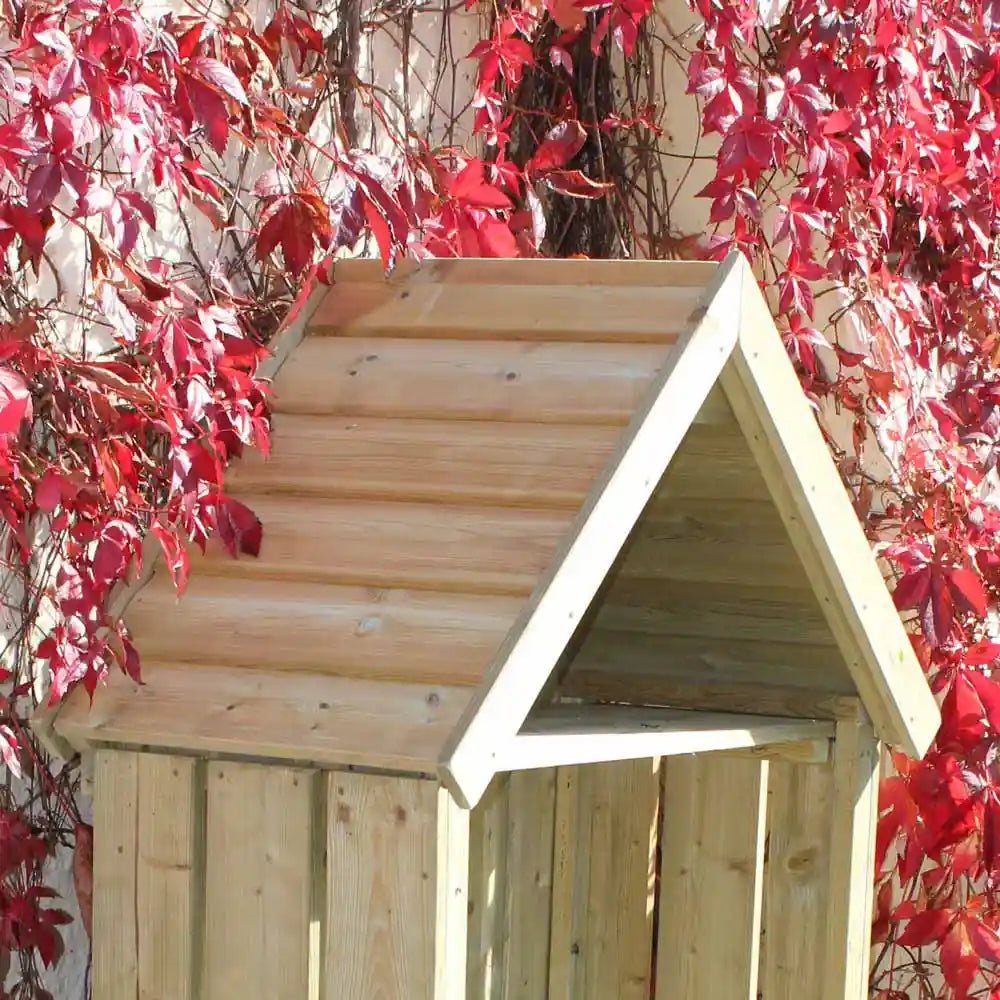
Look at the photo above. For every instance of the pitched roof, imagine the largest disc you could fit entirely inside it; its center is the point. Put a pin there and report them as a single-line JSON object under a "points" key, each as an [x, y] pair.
{"points": [[465, 456]]}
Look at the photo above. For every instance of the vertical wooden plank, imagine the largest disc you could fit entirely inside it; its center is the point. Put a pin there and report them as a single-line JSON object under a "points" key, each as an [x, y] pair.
{"points": [[796, 883], [711, 877], [166, 876], [397, 882], [258, 882], [488, 923], [565, 855], [115, 944], [610, 820], [856, 755], [528, 905]]}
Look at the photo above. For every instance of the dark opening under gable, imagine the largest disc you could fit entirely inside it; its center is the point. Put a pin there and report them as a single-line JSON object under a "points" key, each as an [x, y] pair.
{"points": [[709, 606]]}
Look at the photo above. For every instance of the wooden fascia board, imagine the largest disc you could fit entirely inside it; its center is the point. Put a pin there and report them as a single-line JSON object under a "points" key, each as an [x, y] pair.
{"points": [[592, 734], [786, 441], [529, 653], [45, 721]]}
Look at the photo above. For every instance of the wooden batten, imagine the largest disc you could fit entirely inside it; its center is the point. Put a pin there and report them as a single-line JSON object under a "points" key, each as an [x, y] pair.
{"points": [[572, 734], [397, 891]]}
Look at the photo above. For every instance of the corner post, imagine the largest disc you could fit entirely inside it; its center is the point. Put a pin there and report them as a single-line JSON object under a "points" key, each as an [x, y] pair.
{"points": [[856, 756]]}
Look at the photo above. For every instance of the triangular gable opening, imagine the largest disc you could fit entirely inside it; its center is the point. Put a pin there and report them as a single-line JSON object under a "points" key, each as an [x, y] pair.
{"points": [[736, 604], [709, 606], [706, 633]]}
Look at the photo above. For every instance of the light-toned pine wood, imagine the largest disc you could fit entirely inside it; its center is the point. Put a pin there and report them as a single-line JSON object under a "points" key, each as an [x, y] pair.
{"points": [[616, 500], [732, 612], [168, 813], [569, 734], [852, 860], [394, 635], [604, 882], [446, 461], [489, 927], [258, 887], [528, 885], [722, 543], [115, 930], [712, 660], [534, 312], [786, 442], [400, 545], [797, 886], [326, 720], [711, 879], [469, 380], [653, 687], [396, 887], [711, 462], [567, 853], [473, 271]]}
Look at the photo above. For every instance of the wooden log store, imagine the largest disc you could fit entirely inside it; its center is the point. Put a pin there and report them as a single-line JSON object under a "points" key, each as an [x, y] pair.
{"points": [[562, 673]]}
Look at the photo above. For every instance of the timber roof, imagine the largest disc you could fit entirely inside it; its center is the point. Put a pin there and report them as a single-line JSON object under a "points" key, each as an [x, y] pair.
{"points": [[502, 492]]}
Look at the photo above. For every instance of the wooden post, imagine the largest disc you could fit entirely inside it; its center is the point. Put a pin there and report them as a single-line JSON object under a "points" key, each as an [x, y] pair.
{"points": [[397, 890], [852, 860], [711, 877]]}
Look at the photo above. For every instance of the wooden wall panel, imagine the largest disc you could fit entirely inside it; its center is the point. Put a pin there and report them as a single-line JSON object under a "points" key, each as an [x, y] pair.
{"points": [[168, 863], [511, 888], [146, 862], [489, 928], [711, 878], [115, 947], [603, 882], [259, 875], [397, 864], [796, 892]]}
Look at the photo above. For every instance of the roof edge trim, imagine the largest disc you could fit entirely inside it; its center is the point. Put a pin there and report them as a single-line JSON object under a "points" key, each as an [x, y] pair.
{"points": [[788, 445]]}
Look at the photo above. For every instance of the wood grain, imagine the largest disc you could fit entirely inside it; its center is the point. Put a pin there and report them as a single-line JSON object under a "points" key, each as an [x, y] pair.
{"points": [[393, 635], [258, 892], [711, 879], [603, 882], [536, 312], [115, 929], [168, 870], [796, 893], [546, 272], [326, 720], [386, 887], [852, 860], [501, 380], [400, 545], [569, 734], [446, 461]]}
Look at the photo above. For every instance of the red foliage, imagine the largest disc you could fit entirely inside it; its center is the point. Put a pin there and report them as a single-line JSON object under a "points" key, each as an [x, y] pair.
{"points": [[857, 147]]}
